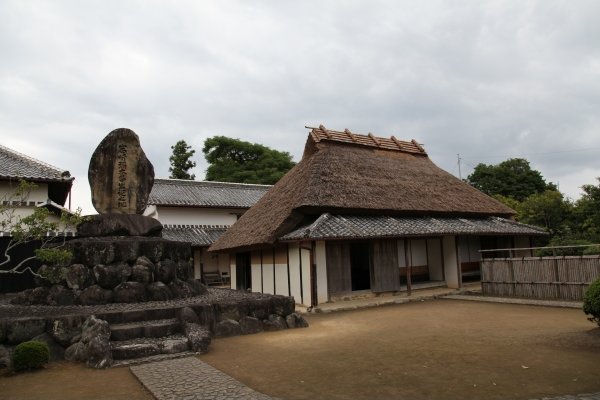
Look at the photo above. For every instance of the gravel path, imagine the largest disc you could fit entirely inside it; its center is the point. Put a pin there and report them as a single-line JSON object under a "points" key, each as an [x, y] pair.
{"points": [[191, 379]]}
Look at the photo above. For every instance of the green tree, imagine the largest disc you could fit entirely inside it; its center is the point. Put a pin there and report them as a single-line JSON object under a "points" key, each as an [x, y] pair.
{"points": [[233, 160], [180, 161], [511, 178], [33, 228], [548, 209], [587, 212]]}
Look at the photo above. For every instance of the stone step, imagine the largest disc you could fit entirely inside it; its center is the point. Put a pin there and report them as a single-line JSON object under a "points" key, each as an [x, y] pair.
{"points": [[149, 359], [122, 317], [144, 329], [147, 347]]}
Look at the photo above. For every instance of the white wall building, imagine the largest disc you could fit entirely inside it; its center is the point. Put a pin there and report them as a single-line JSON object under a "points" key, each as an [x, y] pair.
{"points": [[199, 212]]}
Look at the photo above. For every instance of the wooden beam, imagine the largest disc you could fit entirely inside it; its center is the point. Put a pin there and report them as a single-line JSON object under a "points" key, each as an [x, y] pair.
{"points": [[374, 139], [397, 142]]}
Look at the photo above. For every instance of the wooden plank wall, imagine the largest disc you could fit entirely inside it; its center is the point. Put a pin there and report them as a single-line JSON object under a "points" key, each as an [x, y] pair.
{"points": [[551, 278]]}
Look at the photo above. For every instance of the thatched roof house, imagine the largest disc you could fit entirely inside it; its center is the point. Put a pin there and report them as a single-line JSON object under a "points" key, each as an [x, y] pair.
{"points": [[361, 212], [343, 172]]}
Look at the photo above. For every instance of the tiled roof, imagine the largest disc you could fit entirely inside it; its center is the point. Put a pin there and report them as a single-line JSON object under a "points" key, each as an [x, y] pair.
{"points": [[14, 165], [322, 133], [196, 235], [178, 192], [329, 226]]}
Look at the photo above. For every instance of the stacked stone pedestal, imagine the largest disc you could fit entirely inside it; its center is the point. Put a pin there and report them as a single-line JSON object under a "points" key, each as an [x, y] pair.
{"points": [[117, 269]]}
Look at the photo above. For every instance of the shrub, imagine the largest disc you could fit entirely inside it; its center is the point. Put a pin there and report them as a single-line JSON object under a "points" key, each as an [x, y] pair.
{"points": [[30, 355], [591, 302]]}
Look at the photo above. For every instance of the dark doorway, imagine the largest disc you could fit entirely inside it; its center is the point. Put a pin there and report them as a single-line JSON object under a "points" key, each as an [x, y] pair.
{"points": [[243, 271], [360, 270]]}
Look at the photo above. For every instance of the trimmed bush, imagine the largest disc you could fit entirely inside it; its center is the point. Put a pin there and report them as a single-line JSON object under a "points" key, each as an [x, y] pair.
{"points": [[30, 355], [591, 302]]}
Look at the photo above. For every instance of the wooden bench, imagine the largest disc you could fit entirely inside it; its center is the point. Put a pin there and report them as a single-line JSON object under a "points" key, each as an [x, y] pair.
{"points": [[212, 279]]}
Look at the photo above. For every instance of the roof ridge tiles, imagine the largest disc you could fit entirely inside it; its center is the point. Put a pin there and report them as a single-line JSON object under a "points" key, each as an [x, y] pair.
{"points": [[369, 140], [215, 183]]}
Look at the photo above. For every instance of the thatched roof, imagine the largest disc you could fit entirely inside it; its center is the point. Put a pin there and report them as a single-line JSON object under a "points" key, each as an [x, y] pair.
{"points": [[347, 173]]}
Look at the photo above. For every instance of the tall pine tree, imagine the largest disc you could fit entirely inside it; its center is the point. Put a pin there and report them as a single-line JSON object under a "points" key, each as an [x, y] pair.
{"points": [[180, 161]]}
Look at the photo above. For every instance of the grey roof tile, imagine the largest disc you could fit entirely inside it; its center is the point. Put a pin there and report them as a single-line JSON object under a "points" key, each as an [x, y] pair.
{"points": [[329, 226], [14, 165], [177, 192], [196, 235]]}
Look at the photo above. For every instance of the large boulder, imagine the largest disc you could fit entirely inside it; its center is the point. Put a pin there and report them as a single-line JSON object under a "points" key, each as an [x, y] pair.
{"points": [[59, 295], [197, 287], [120, 174], [250, 325], [142, 274], [295, 320], [181, 289], [198, 337], [227, 328], [119, 225], [109, 276], [186, 314], [95, 295], [76, 352], [184, 270], [158, 291], [166, 271], [38, 295], [143, 260], [79, 277], [3, 328], [95, 335], [66, 330], [274, 323], [129, 292], [5, 358], [24, 329]]}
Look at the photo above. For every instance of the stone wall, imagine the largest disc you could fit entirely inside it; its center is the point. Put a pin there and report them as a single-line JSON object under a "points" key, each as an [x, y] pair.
{"points": [[117, 269], [199, 321]]}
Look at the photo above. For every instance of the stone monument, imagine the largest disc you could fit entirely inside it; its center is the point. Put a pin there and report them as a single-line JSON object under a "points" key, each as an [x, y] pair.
{"points": [[119, 255]]}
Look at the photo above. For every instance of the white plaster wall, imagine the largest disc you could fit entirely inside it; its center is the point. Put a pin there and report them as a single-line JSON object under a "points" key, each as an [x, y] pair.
{"points": [[305, 254], [321, 260], [451, 262], [267, 271], [434, 259], [195, 216], [281, 274], [38, 195], [197, 260], [401, 254], [294, 259], [232, 267], [418, 252], [256, 273]]}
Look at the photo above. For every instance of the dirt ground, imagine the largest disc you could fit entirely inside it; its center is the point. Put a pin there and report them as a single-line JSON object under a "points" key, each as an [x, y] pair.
{"points": [[442, 349]]}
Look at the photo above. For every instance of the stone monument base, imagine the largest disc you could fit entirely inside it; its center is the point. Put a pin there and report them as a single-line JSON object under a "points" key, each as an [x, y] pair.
{"points": [[117, 269]]}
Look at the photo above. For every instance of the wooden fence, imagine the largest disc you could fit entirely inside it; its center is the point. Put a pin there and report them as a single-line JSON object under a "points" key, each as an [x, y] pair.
{"points": [[552, 278]]}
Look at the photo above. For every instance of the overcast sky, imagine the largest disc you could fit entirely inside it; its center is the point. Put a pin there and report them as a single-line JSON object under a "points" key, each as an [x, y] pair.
{"points": [[488, 80]]}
